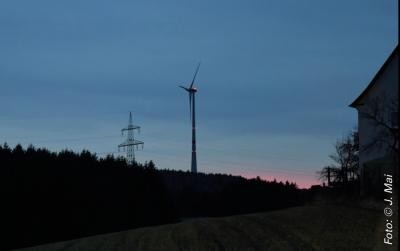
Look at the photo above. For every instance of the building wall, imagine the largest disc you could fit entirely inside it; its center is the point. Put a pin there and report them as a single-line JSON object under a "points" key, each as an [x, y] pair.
{"points": [[387, 84]]}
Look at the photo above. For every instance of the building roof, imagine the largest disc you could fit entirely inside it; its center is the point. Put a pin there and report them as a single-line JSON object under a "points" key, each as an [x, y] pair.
{"points": [[373, 81]]}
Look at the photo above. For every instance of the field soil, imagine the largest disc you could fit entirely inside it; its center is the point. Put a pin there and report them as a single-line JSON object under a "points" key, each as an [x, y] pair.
{"points": [[312, 227]]}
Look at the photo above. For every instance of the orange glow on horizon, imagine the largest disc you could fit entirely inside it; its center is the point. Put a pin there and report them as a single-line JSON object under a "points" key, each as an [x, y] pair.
{"points": [[302, 181]]}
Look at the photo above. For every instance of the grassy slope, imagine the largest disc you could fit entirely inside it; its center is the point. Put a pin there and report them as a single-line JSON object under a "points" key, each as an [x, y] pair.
{"points": [[300, 228]]}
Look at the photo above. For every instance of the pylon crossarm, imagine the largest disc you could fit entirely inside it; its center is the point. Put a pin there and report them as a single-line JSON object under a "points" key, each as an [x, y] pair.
{"points": [[131, 143], [130, 128]]}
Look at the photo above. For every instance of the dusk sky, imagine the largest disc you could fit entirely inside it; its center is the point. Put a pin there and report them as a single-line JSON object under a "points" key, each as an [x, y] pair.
{"points": [[274, 86]]}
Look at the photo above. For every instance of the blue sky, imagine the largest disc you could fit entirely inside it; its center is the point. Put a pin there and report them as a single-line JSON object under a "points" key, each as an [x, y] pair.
{"points": [[274, 86]]}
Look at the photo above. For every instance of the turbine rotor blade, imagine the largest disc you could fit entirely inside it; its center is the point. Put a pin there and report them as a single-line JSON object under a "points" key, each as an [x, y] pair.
{"points": [[186, 89], [194, 77]]}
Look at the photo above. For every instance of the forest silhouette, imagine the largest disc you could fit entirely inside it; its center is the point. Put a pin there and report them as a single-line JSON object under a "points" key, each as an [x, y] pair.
{"points": [[61, 196]]}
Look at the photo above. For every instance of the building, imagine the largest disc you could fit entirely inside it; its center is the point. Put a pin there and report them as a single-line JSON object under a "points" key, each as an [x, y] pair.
{"points": [[377, 108]]}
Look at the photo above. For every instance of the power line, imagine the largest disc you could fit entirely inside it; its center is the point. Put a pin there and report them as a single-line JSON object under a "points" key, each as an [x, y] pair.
{"points": [[62, 139]]}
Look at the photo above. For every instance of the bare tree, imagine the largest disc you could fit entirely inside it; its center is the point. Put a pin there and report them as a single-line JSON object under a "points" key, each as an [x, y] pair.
{"points": [[382, 113], [331, 174], [346, 161]]}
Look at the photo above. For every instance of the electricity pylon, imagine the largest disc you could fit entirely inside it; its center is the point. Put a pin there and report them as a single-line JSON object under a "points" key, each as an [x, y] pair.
{"points": [[130, 143]]}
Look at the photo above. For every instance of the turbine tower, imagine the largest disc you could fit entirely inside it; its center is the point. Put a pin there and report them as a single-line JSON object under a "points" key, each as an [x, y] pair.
{"points": [[192, 91], [130, 143]]}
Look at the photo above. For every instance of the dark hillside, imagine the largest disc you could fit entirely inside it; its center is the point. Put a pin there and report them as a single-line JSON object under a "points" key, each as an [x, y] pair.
{"points": [[52, 197]]}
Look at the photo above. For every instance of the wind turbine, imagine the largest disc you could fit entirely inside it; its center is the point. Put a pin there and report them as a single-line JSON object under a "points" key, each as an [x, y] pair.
{"points": [[192, 91]]}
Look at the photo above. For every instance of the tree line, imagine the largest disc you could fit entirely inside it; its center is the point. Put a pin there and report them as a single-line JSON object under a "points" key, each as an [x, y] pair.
{"points": [[52, 196]]}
